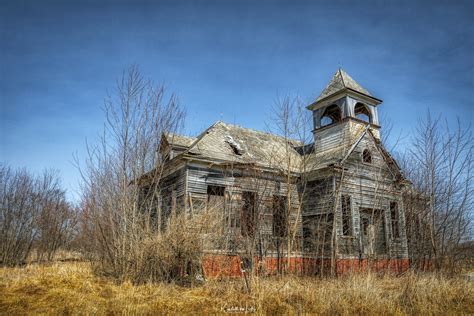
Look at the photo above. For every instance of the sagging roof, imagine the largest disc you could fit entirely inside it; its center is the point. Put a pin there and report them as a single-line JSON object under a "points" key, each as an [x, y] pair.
{"points": [[340, 81], [229, 143]]}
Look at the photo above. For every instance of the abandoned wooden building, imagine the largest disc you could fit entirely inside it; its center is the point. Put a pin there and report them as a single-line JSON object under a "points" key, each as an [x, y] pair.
{"points": [[287, 205]]}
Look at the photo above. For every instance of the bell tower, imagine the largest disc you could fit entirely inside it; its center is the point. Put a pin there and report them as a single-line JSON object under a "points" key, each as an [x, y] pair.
{"points": [[341, 110]]}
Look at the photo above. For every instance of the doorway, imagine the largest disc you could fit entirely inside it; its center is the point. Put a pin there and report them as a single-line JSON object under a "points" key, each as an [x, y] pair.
{"points": [[372, 230]]}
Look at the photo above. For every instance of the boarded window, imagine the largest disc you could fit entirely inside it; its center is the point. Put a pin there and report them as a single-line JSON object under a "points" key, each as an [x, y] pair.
{"points": [[280, 216], [346, 215], [249, 220], [394, 219], [367, 156]]}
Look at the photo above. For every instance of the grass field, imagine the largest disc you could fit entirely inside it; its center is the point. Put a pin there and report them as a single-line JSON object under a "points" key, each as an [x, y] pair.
{"points": [[72, 288]]}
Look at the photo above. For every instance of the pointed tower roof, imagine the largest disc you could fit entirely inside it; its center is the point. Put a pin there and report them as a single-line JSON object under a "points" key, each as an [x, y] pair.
{"points": [[340, 81]]}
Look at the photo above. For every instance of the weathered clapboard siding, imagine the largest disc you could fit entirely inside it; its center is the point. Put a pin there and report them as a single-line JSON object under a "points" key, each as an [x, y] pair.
{"points": [[331, 137], [235, 181], [370, 186]]}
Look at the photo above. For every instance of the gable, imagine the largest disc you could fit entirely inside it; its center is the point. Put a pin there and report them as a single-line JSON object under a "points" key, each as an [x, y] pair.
{"points": [[382, 164]]}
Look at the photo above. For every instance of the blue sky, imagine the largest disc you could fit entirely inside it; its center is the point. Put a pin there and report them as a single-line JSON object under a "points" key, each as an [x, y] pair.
{"points": [[226, 60]]}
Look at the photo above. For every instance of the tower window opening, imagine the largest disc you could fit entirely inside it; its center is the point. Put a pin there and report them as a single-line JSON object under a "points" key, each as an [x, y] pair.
{"points": [[362, 113], [331, 115]]}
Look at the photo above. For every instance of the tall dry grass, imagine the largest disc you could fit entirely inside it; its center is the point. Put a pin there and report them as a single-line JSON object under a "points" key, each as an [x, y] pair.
{"points": [[71, 288]]}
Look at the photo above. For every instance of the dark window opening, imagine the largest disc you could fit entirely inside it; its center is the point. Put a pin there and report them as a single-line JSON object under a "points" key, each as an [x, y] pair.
{"points": [[366, 156], [346, 215], [249, 213], [394, 219], [213, 190], [280, 216], [331, 115], [362, 113], [365, 226]]}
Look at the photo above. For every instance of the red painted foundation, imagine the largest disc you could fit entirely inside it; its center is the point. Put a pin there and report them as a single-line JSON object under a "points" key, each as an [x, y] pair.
{"points": [[231, 266]]}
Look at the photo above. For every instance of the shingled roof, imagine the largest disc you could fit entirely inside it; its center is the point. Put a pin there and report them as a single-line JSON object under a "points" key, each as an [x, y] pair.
{"points": [[231, 143], [340, 81]]}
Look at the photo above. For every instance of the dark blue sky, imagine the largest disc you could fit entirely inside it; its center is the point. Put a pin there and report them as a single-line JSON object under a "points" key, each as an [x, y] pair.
{"points": [[226, 60]]}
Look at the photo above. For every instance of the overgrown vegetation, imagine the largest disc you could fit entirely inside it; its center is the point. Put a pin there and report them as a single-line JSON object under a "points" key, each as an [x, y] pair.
{"points": [[71, 288], [120, 223], [35, 218]]}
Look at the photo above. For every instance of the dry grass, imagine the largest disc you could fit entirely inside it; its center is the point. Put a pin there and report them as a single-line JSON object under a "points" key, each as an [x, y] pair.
{"points": [[71, 288]]}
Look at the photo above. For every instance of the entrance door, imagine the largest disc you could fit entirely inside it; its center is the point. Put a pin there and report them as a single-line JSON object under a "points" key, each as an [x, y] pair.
{"points": [[372, 231]]}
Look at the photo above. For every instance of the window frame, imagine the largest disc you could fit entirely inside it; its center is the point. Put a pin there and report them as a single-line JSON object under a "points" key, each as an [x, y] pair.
{"points": [[346, 215], [280, 215], [394, 220], [248, 216]]}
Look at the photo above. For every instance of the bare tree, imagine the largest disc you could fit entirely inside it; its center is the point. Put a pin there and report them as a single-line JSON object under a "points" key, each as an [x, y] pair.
{"points": [[440, 205], [291, 120], [34, 214], [117, 213], [56, 219]]}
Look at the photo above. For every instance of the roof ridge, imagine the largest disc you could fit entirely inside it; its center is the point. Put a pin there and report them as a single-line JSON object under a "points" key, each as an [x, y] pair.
{"points": [[342, 77], [180, 135]]}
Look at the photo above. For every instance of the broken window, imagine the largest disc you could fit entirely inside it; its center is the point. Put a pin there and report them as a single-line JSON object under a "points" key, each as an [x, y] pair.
{"points": [[394, 219], [280, 216], [362, 113], [197, 204], [346, 215], [249, 216], [215, 196], [331, 115], [366, 156]]}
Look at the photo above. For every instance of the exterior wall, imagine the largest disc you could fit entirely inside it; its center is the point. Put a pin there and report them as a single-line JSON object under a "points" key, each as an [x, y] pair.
{"points": [[370, 186], [265, 185]]}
